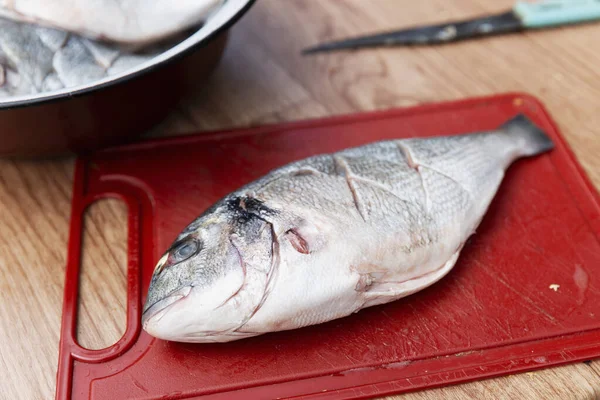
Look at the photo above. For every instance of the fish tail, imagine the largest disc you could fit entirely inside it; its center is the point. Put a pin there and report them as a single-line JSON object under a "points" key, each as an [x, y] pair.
{"points": [[533, 140]]}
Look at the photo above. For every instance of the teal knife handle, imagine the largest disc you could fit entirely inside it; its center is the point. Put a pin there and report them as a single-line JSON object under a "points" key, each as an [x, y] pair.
{"points": [[556, 12]]}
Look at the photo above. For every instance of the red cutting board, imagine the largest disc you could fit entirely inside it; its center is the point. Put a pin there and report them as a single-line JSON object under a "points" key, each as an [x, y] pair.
{"points": [[493, 314]]}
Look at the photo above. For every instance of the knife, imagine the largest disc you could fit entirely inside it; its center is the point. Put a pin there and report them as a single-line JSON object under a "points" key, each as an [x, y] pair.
{"points": [[523, 16]]}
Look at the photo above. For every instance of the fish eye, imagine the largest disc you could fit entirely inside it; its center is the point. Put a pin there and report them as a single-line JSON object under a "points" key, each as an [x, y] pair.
{"points": [[185, 250]]}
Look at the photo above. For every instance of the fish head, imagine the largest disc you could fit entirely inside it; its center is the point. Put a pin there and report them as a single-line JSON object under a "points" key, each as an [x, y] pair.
{"points": [[213, 278]]}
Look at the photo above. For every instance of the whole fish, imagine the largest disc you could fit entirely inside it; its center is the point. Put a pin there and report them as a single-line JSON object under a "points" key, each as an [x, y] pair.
{"points": [[327, 236], [123, 21]]}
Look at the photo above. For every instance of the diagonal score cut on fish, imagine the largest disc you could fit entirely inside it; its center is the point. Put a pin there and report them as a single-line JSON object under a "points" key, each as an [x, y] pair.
{"points": [[327, 236]]}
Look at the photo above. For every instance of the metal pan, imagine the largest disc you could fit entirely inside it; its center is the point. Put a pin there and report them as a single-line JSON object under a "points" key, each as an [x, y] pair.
{"points": [[117, 108]]}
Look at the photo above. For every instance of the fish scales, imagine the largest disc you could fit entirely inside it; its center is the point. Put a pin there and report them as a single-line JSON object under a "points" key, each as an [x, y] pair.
{"points": [[25, 52], [39, 59], [48, 45], [75, 64], [327, 236]]}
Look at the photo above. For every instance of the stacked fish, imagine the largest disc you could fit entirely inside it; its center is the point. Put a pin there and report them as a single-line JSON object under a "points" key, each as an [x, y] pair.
{"points": [[47, 45]]}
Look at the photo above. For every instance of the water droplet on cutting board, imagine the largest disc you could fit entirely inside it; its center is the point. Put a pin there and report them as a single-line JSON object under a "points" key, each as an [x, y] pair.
{"points": [[581, 279]]}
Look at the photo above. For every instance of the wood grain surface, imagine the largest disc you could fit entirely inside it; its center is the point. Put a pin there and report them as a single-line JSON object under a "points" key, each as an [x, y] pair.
{"points": [[264, 79]]}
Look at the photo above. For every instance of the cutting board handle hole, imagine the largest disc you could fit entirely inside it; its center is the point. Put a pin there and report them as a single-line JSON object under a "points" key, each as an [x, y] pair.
{"points": [[101, 310]]}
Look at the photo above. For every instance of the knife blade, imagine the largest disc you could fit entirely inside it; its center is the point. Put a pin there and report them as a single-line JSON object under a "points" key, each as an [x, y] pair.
{"points": [[523, 16]]}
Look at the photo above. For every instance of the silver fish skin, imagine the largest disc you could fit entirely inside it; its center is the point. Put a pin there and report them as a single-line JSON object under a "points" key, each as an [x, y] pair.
{"points": [[36, 59], [134, 22], [327, 236]]}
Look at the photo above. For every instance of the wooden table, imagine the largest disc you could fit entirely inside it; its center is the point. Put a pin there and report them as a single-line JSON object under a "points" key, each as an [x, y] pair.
{"points": [[263, 79]]}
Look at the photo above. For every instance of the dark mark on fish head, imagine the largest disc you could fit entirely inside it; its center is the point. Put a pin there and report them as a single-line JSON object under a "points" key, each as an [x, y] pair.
{"points": [[244, 208]]}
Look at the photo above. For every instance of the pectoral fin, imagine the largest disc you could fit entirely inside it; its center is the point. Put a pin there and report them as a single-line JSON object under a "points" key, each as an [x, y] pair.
{"points": [[381, 289]]}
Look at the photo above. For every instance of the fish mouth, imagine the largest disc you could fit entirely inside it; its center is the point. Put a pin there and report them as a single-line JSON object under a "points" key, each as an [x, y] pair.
{"points": [[158, 309]]}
